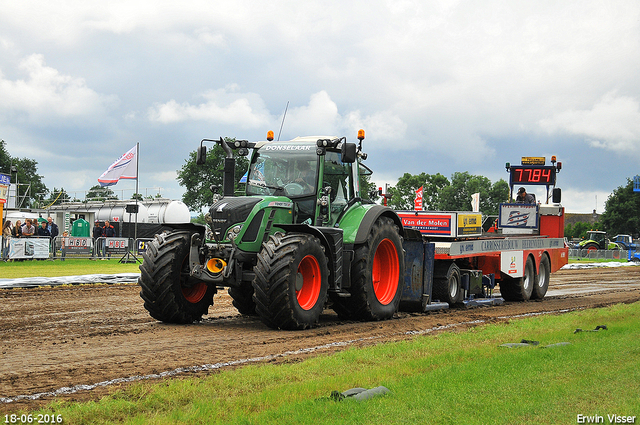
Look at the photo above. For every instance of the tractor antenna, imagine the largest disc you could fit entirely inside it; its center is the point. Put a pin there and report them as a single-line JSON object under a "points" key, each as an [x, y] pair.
{"points": [[283, 117]]}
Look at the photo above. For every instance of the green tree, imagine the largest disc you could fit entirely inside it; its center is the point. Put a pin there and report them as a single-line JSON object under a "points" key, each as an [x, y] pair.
{"points": [[579, 230], [31, 190], [99, 193], [404, 192], [441, 195], [198, 179], [457, 196], [57, 197], [5, 158], [622, 211]]}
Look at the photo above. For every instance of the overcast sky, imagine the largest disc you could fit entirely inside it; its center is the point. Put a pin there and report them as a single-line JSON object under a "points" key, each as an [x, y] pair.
{"points": [[438, 86]]}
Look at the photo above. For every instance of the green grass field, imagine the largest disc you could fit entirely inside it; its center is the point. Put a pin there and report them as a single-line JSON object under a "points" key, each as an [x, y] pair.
{"points": [[69, 267], [449, 378]]}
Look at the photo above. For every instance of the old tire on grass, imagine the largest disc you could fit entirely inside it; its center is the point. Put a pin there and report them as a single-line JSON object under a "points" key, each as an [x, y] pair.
{"points": [[542, 279], [168, 293], [377, 272], [521, 288], [290, 287], [447, 283]]}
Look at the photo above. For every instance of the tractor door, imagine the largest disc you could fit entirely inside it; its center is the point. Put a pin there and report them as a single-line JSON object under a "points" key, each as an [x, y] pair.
{"points": [[337, 176]]}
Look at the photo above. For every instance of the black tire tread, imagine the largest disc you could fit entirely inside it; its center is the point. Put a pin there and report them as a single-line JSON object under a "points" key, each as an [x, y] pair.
{"points": [[358, 306], [160, 281], [271, 285]]}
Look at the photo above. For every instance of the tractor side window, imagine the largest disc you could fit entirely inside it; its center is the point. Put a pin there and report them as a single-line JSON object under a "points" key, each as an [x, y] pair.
{"points": [[337, 175]]}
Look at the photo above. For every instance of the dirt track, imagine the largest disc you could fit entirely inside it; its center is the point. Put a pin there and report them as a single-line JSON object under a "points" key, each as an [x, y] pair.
{"points": [[69, 336]]}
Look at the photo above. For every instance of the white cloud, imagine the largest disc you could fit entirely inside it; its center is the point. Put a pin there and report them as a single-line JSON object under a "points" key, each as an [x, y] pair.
{"points": [[226, 106], [47, 95], [613, 123]]}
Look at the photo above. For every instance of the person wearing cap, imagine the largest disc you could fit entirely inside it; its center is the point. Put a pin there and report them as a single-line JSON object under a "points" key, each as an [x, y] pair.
{"points": [[524, 197]]}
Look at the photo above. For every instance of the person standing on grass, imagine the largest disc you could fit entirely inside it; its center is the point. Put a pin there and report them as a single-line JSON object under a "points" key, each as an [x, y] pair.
{"points": [[6, 237], [108, 232], [53, 231], [63, 242], [97, 234]]}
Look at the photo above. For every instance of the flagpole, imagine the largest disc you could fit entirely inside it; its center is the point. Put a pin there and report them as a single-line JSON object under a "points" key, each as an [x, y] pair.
{"points": [[135, 232]]}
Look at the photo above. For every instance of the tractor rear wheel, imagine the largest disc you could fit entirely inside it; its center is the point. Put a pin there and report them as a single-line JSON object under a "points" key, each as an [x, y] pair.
{"points": [[290, 287], [519, 289], [542, 279], [168, 292], [376, 275], [591, 247]]}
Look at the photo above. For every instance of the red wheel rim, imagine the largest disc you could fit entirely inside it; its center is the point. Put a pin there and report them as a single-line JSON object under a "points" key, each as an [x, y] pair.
{"points": [[195, 293], [386, 272], [592, 248], [309, 270]]}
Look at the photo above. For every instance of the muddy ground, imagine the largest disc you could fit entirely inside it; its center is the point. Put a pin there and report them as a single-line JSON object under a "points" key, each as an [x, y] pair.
{"points": [[67, 337]]}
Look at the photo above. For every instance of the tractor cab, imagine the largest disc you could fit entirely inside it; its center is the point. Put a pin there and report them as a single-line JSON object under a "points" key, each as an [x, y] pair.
{"points": [[597, 239], [600, 238], [319, 180]]}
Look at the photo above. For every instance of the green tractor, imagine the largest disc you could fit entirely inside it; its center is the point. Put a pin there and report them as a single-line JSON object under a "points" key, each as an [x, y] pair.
{"points": [[302, 237], [597, 240]]}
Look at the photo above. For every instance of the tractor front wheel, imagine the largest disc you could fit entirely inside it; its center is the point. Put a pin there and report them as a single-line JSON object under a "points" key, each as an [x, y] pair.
{"points": [[168, 292], [376, 276], [243, 298], [290, 287]]}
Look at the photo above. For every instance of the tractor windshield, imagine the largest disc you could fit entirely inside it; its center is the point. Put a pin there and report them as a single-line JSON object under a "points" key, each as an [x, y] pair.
{"points": [[284, 169]]}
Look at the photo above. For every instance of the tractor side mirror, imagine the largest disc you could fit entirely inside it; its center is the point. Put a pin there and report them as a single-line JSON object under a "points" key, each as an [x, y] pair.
{"points": [[348, 153], [201, 155], [557, 195]]}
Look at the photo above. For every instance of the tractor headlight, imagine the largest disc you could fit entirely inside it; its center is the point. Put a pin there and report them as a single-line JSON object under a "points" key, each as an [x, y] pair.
{"points": [[233, 232]]}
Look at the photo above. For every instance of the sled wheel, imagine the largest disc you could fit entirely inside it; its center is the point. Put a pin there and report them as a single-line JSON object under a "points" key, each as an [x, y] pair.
{"points": [[542, 279], [447, 283], [519, 289]]}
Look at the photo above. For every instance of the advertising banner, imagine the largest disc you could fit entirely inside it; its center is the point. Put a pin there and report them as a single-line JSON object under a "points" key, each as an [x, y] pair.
{"points": [[5, 182], [141, 245], [511, 263], [76, 245], [417, 203], [28, 248], [469, 224], [116, 245], [432, 224], [518, 215]]}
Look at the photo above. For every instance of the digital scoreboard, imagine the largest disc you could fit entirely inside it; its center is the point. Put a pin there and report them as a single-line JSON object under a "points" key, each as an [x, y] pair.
{"points": [[532, 174]]}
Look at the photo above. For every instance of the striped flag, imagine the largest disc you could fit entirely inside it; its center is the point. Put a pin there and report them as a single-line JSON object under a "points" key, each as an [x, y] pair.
{"points": [[126, 167]]}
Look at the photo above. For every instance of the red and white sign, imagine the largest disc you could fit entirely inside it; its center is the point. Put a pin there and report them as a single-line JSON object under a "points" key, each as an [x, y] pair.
{"points": [[418, 201]]}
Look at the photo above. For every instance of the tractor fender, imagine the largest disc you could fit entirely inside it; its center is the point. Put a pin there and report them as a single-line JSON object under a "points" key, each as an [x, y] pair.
{"points": [[305, 228], [190, 227], [358, 221]]}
